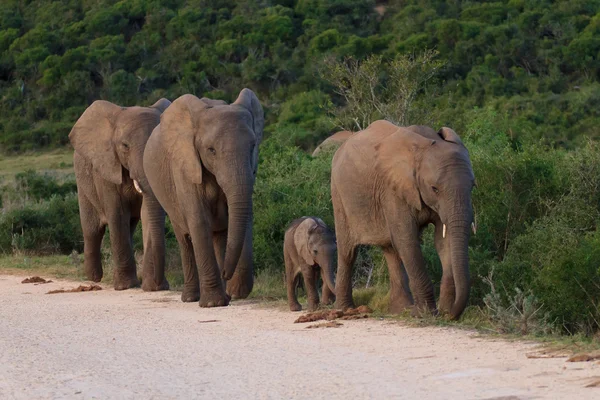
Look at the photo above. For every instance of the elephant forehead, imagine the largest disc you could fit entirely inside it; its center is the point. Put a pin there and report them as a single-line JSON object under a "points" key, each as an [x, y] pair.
{"points": [[137, 118]]}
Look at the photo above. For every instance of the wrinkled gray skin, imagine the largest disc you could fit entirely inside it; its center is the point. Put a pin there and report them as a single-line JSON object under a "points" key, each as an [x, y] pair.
{"points": [[109, 143], [387, 184], [201, 163], [309, 247]]}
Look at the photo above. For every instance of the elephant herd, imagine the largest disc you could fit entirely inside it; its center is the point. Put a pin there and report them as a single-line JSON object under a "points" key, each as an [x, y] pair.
{"points": [[197, 159]]}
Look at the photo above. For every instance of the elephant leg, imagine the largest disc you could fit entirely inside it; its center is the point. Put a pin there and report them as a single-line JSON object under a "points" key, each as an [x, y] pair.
{"points": [[406, 240], [400, 296], [291, 280], [148, 279], [212, 288], [132, 225], [219, 245], [93, 233], [310, 282], [447, 291], [125, 274], [191, 284], [346, 255], [241, 283], [327, 296]]}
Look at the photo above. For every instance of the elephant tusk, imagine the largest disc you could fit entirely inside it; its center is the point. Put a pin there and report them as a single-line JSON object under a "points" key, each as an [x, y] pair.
{"points": [[444, 231], [474, 227], [137, 186]]}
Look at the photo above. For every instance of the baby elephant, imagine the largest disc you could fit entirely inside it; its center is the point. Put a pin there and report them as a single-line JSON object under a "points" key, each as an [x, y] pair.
{"points": [[309, 245]]}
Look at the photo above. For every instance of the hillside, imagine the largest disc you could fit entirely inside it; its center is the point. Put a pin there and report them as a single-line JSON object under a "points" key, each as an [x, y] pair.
{"points": [[536, 61]]}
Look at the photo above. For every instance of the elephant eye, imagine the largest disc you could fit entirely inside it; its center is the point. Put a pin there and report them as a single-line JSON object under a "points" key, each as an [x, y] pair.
{"points": [[314, 252], [435, 190], [212, 150], [125, 146]]}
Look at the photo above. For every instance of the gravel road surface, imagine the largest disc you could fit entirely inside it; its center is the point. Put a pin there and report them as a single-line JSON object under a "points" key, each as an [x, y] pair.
{"points": [[131, 344]]}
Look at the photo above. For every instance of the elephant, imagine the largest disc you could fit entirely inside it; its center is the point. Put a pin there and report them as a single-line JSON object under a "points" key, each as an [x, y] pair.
{"points": [[334, 140], [109, 143], [309, 245], [387, 184], [201, 162]]}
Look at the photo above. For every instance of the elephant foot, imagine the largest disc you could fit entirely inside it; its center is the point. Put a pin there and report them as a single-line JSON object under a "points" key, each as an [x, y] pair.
{"points": [[328, 300], [126, 283], [312, 306], [445, 305], [214, 298], [400, 306], [295, 307], [238, 290], [422, 311], [190, 296], [148, 285], [94, 275], [344, 304]]}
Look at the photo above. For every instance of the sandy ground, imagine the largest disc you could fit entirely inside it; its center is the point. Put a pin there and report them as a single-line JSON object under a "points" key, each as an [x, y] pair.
{"points": [[132, 344]]}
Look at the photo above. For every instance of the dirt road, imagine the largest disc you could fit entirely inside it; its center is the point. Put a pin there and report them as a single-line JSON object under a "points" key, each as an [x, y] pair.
{"points": [[131, 344]]}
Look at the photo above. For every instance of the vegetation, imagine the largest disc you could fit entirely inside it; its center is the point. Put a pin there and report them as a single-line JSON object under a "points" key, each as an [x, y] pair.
{"points": [[518, 80]]}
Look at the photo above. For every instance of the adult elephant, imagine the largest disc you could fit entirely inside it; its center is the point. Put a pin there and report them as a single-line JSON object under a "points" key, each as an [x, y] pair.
{"points": [[201, 163], [334, 140], [387, 184], [109, 143]]}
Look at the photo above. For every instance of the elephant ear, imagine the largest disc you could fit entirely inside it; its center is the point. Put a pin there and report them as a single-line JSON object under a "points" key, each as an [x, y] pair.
{"points": [[92, 137], [301, 237], [249, 101], [397, 157], [178, 126], [161, 105], [449, 135]]}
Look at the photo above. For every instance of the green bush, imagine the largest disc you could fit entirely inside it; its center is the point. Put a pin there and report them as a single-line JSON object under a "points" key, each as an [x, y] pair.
{"points": [[46, 227], [43, 186]]}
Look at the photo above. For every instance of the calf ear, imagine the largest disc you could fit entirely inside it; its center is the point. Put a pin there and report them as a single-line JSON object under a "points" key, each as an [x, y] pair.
{"points": [[396, 162], [92, 137], [301, 237]]}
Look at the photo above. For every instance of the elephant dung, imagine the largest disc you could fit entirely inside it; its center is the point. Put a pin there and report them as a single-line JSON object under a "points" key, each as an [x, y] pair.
{"points": [[583, 357], [330, 324], [80, 288], [330, 315], [35, 279]]}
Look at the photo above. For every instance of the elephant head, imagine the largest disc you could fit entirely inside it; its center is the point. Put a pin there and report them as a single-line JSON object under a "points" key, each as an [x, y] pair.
{"points": [[211, 138], [113, 138], [434, 171], [316, 245]]}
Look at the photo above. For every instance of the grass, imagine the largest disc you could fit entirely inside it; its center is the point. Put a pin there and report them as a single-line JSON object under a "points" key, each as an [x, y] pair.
{"points": [[55, 266], [59, 162]]}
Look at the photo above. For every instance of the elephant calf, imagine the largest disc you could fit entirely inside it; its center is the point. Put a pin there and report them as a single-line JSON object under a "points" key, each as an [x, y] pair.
{"points": [[309, 245]]}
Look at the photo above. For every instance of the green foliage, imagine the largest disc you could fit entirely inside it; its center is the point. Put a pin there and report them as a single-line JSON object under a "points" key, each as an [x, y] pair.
{"points": [[46, 227], [535, 61], [42, 187], [374, 89]]}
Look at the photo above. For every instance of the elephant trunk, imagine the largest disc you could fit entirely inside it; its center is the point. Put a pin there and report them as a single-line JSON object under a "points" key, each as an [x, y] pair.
{"points": [[239, 201], [459, 232]]}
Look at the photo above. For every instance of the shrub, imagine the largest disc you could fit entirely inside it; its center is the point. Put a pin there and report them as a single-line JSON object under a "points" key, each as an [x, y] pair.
{"points": [[46, 227]]}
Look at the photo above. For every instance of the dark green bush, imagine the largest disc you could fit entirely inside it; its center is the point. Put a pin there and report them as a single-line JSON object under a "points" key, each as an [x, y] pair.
{"points": [[45, 227], [43, 186]]}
